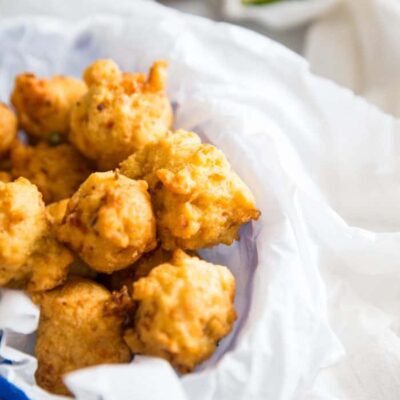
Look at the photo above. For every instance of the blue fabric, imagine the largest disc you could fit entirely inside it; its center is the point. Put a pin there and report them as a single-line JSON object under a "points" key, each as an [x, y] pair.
{"points": [[7, 390], [10, 392]]}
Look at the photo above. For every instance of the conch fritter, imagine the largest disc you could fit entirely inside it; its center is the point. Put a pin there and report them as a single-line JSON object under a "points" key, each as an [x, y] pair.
{"points": [[79, 327], [120, 113], [8, 128], [48, 265], [184, 308], [22, 225], [198, 199], [109, 221], [56, 170], [55, 213], [43, 105]]}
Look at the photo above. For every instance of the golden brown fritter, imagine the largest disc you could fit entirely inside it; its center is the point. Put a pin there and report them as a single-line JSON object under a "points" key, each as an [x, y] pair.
{"points": [[79, 327], [56, 170], [48, 265], [22, 225], [198, 199], [8, 128], [55, 213], [120, 113], [43, 105], [30, 256], [185, 307], [125, 277], [109, 221]]}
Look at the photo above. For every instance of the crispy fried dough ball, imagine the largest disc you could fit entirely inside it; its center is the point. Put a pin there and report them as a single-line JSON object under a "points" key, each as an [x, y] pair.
{"points": [[43, 105], [8, 128], [185, 307], [109, 221], [79, 327], [120, 113], [55, 213], [30, 256], [22, 225], [48, 265], [56, 170], [198, 199]]}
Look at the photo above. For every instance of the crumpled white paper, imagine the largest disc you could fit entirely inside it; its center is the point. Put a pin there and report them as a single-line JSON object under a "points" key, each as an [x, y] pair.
{"points": [[322, 163]]}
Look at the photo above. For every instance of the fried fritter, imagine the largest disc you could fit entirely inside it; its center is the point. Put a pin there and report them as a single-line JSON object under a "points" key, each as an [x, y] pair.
{"points": [[43, 105], [184, 308], [55, 213], [30, 256], [109, 221], [79, 327], [198, 199], [56, 170], [120, 113], [22, 225], [8, 128], [48, 265]]}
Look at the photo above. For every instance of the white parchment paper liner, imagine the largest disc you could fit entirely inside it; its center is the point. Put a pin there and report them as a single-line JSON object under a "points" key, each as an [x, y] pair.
{"points": [[318, 159]]}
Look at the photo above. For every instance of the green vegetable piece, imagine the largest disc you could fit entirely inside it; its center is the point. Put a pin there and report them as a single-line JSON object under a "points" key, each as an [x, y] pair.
{"points": [[55, 138]]}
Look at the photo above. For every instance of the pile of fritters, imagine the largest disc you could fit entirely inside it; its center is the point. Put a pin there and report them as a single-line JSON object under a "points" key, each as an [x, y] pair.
{"points": [[102, 210]]}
